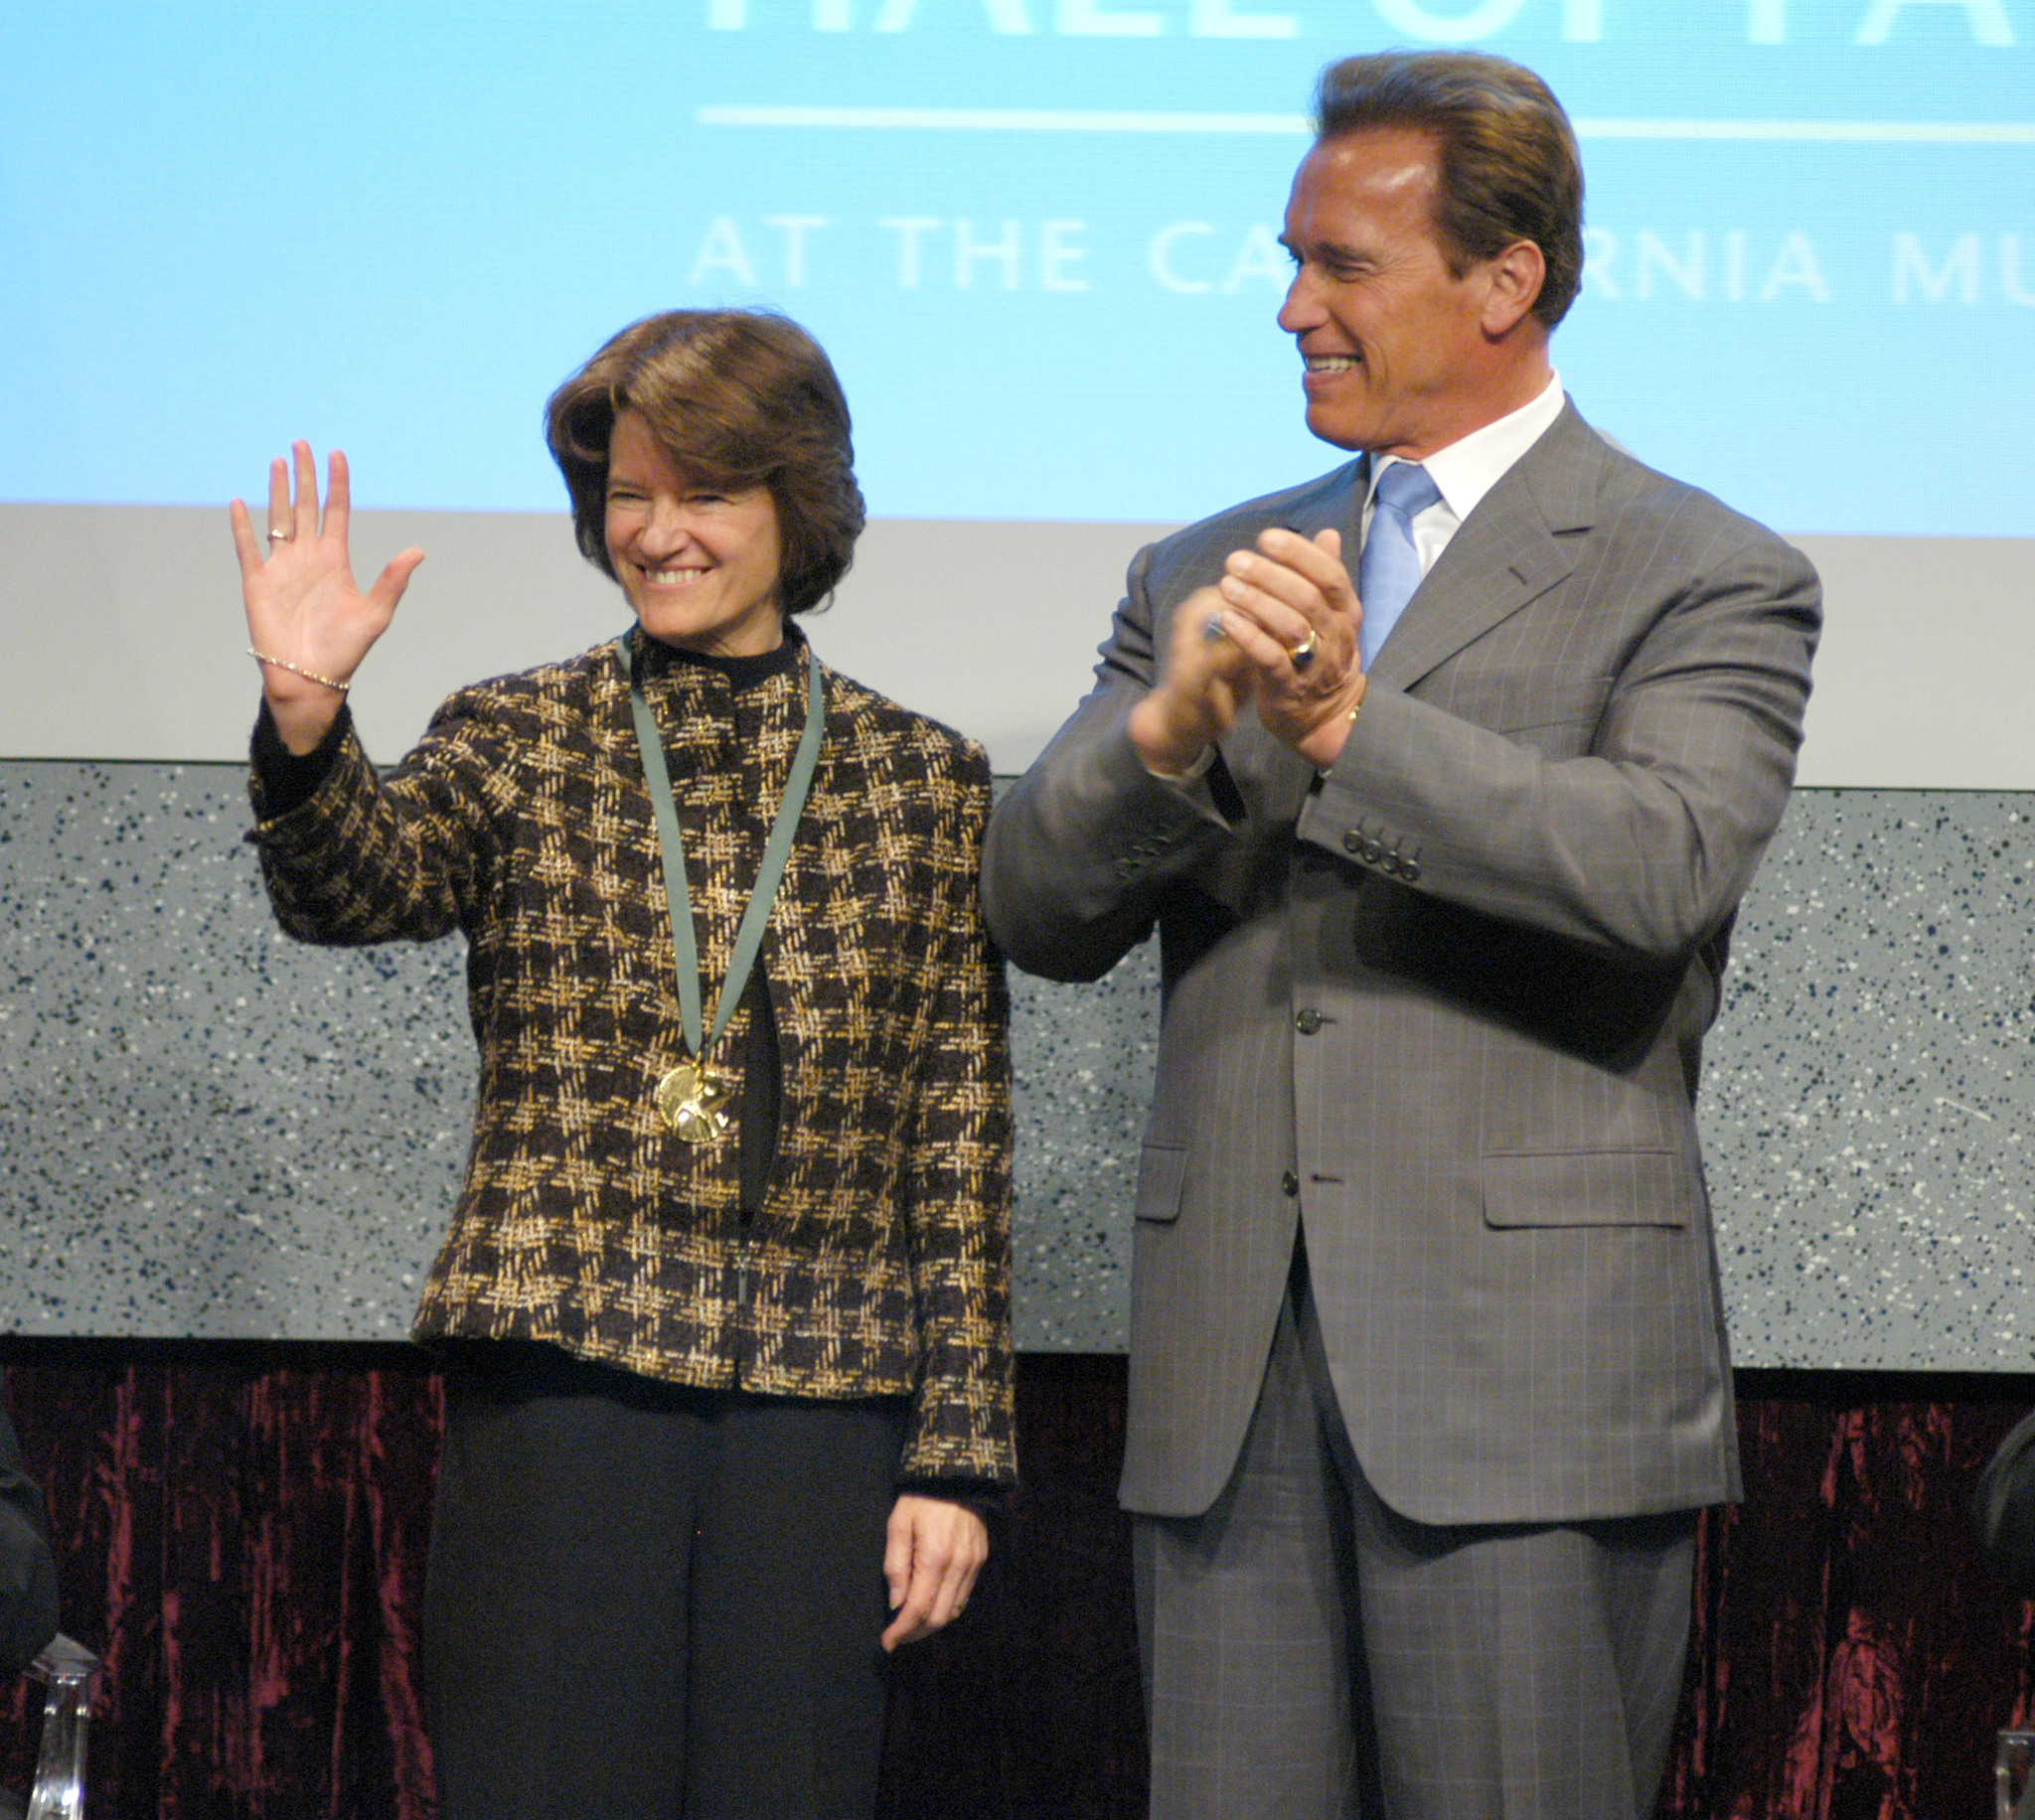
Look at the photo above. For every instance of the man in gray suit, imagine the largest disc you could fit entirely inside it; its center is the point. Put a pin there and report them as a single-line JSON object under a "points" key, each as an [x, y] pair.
{"points": [[1428, 1363]]}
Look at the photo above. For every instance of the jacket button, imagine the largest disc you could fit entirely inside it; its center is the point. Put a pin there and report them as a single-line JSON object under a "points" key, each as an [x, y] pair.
{"points": [[1289, 1184], [1352, 842], [1409, 869], [1307, 1021]]}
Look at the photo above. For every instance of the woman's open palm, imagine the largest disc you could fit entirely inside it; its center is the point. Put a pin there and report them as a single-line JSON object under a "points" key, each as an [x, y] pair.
{"points": [[303, 607]]}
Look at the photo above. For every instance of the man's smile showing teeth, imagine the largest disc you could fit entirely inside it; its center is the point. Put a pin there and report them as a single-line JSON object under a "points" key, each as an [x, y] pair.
{"points": [[1332, 362]]}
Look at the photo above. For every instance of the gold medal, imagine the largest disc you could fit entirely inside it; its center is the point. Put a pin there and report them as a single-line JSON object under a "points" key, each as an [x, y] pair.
{"points": [[691, 1105]]}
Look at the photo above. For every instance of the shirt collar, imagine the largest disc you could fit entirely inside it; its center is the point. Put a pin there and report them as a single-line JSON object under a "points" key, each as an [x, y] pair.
{"points": [[1472, 465]]}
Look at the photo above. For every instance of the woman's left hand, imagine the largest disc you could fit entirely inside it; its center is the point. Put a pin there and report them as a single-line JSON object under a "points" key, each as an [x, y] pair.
{"points": [[933, 1553]]}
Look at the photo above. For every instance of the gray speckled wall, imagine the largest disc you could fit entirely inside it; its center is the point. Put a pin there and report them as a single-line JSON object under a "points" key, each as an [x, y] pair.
{"points": [[1869, 1090], [207, 1130], [210, 1131]]}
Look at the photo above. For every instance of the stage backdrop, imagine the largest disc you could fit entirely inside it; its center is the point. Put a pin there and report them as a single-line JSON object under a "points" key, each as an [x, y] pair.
{"points": [[1040, 239]]}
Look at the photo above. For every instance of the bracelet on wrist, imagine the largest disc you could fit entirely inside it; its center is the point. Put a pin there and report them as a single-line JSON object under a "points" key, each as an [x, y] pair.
{"points": [[296, 670]]}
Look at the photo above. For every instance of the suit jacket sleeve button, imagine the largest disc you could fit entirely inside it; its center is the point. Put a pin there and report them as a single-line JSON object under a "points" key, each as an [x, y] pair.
{"points": [[1289, 1184], [1307, 1021], [1409, 869], [1352, 842]]}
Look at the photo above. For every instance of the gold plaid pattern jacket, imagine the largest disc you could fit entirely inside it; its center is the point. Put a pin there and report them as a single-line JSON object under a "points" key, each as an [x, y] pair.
{"points": [[879, 1260]]}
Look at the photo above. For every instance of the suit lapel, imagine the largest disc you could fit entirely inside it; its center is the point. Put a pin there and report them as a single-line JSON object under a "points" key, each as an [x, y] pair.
{"points": [[1522, 539]]}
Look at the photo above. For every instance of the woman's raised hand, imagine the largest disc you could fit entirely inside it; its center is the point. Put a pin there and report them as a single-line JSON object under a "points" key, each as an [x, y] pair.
{"points": [[306, 618]]}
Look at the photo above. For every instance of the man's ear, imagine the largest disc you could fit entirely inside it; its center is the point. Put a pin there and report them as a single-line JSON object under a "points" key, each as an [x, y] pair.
{"points": [[1514, 279]]}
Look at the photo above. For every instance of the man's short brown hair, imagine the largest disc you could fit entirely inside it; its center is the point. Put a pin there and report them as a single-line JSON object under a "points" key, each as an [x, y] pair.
{"points": [[1509, 165], [735, 399]]}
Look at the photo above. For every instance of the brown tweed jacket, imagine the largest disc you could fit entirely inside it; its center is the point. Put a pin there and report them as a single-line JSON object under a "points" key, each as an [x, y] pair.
{"points": [[879, 1260]]}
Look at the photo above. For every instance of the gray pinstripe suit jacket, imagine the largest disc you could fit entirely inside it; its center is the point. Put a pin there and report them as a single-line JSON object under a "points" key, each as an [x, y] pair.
{"points": [[1447, 1007]]}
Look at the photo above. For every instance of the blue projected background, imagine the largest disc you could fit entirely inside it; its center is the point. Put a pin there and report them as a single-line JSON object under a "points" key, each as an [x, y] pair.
{"points": [[1036, 235]]}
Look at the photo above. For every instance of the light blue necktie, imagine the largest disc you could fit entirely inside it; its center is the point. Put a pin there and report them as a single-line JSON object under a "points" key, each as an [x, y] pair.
{"points": [[1390, 570]]}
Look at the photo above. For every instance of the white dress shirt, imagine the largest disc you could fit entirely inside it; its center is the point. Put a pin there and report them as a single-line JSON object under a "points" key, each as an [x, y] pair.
{"points": [[1469, 468]]}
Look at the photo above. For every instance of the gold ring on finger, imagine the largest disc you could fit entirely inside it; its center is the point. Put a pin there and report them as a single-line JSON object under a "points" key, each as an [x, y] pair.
{"points": [[279, 536], [1303, 654]]}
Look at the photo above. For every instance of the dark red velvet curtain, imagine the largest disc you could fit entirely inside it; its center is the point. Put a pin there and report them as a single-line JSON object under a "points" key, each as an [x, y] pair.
{"points": [[1851, 1657], [240, 1535], [241, 1532]]}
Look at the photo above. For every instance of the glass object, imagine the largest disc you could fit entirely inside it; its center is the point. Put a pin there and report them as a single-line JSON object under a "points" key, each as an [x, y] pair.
{"points": [[73, 1674], [2013, 1777]]}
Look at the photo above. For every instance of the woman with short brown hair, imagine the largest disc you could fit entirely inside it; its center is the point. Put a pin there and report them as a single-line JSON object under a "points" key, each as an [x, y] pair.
{"points": [[724, 1304]]}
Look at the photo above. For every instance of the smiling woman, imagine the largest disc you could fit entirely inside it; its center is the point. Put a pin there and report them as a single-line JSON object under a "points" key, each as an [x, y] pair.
{"points": [[699, 567], [710, 447], [725, 1307]]}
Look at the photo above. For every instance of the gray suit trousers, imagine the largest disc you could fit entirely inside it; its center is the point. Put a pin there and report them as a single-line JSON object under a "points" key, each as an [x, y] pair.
{"points": [[1312, 1655]]}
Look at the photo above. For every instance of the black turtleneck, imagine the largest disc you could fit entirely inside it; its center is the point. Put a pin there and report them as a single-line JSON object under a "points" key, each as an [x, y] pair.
{"points": [[762, 1067]]}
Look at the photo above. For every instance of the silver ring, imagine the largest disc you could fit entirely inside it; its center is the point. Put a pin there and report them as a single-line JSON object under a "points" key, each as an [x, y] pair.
{"points": [[1212, 627], [1303, 654], [279, 536]]}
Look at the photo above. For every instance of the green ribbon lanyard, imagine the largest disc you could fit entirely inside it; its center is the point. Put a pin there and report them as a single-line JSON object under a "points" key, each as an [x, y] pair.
{"points": [[688, 1102]]}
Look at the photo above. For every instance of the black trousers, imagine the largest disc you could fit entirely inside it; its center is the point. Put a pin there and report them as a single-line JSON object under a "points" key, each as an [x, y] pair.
{"points": [[645, 1602]]}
